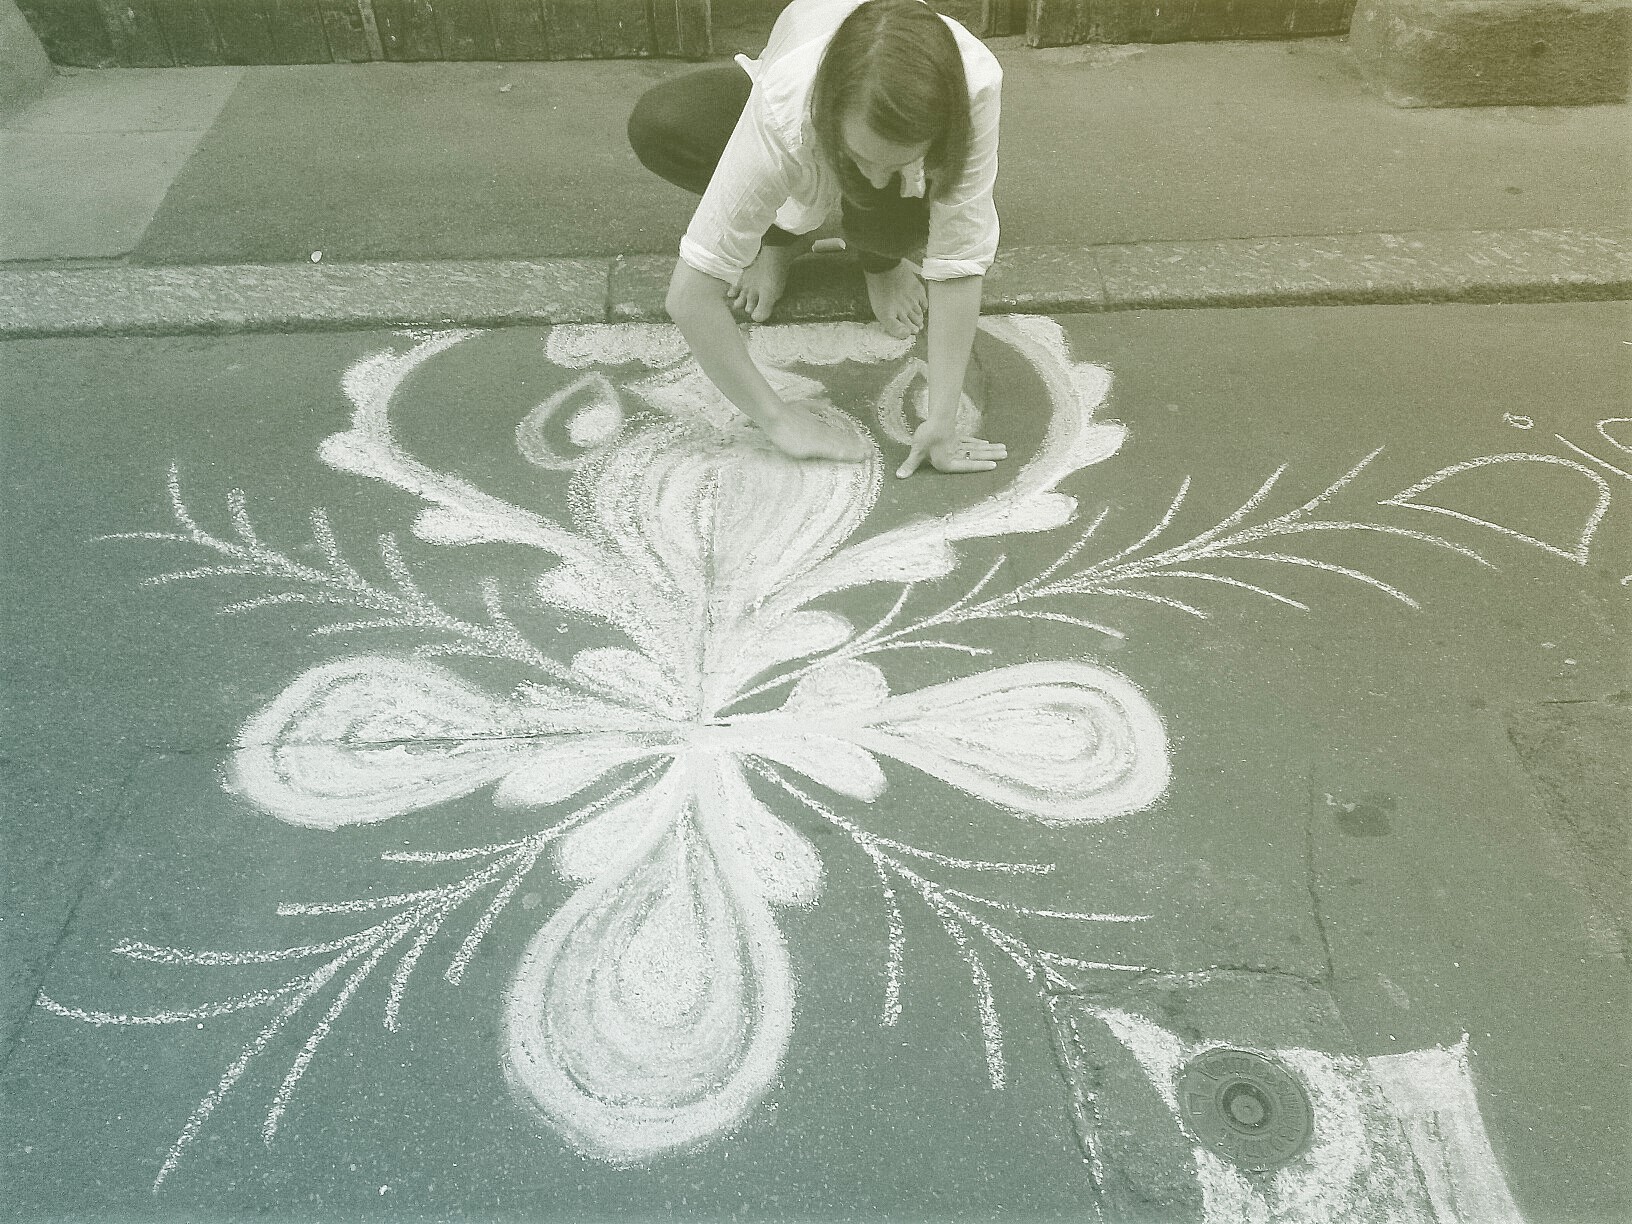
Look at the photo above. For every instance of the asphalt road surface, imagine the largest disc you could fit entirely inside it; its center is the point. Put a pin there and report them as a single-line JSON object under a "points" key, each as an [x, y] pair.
{"points": [[466, 775]]}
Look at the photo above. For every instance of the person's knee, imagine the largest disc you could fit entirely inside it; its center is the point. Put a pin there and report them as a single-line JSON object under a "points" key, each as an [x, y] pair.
{"points": [[678, 127], [649, 131]]}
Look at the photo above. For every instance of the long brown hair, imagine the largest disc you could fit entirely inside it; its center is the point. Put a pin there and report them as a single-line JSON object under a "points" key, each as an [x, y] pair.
{"points": [[898, 65]]}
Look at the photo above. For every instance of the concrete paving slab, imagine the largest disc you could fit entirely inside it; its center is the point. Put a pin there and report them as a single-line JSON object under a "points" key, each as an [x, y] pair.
{"points": [[104, 101], [1173, 143], [1195, 141], [64, 799], [84, 197], [1564, 745], [784, 1170], [90, 159], [27, 68], [1426, 940], [421, 161], [1331, 633], [1149, 1172]]}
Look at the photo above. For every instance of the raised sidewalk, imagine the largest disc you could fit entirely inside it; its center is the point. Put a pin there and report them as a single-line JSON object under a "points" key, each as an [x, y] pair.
{"points": [[194, 200]]}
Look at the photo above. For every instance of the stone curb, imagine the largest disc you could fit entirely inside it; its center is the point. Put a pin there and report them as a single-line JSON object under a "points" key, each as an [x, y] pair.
{"points": [[1488, 266]]}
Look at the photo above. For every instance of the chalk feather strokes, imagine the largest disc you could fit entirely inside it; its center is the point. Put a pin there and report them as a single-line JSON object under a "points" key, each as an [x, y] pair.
{"points": [[1599, 494], [652, 1011]]}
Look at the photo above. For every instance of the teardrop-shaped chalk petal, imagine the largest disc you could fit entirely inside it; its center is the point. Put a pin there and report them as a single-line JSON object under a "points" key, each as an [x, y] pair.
{"points": [[562, 766], [652, 1013], [824, 759], [601, 844], [707, 527], [774, 640], [851, 684], [785, 864], [581, 416], [1063, 743], [631, 675], [565, 711], [368, 738]]}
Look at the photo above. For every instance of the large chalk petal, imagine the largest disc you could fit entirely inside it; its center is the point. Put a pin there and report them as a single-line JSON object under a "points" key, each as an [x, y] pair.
{"points": [[566, 765], [787, 868], [652, 1012], [834, 763], [1063, 743], [368, 738]]}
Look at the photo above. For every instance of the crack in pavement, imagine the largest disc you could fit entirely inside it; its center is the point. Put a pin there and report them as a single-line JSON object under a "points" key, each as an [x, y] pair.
{"points": [[121, 812], [1310, 876]]}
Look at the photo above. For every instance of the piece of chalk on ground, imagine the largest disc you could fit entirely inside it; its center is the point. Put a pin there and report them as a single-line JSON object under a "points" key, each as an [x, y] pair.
{"points": [[826, 246]]}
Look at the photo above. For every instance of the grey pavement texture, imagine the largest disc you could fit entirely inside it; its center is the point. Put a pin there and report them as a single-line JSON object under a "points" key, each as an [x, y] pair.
{"points": [[1390, 823], [1169, 143], [1170, 175], [90, 160], [1397, 809]]}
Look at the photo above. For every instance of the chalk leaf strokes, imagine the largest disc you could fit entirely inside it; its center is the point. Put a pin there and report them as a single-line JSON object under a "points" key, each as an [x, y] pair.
{"points": [[652, 1011], [1577, 548]]}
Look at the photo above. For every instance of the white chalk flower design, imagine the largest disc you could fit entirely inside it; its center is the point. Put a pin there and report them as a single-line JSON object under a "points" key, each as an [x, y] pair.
{"points": [[652, 1011]]}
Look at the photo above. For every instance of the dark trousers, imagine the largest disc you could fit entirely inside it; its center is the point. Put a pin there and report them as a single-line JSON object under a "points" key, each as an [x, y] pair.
{"points": [[679, 128]]}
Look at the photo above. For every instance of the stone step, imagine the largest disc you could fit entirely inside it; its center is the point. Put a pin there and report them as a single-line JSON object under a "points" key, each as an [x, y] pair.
{"points": [[1495, 52], [178, 33], [186, 33]]}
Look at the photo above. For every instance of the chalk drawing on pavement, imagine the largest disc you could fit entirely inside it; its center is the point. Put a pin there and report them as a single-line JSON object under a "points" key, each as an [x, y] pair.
{"points": [[1396, 1137], [1608, 434], [704, 548], [1593, 500], [674, 765]]}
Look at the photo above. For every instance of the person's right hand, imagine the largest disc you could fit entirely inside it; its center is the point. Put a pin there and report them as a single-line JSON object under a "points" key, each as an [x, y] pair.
{"points": [[811, 429]]}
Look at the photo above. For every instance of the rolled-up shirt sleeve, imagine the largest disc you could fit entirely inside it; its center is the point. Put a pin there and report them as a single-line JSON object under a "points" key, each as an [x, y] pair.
{"points": [[963, 223], [751, 182]]}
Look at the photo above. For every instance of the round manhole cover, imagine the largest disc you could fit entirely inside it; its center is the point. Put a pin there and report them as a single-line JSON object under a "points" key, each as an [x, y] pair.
{"points": [[1249, 1109]]}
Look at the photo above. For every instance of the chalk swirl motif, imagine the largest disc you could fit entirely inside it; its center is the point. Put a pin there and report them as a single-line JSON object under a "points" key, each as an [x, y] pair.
{"points": [[652, 1011], [654, 1008]]}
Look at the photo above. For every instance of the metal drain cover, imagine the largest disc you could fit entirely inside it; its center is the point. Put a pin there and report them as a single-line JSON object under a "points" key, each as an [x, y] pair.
{"points": [[1248, 1108]]}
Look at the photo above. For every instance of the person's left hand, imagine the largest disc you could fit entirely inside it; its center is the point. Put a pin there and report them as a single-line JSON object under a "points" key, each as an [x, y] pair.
{"points": [[947, 451]]}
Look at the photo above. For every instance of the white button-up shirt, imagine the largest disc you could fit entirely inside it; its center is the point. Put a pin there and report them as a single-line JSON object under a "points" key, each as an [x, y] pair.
{"points": [[771, 171]]}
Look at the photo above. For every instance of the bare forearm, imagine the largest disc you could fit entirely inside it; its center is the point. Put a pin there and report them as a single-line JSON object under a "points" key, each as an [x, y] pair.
{"points": [[954, 314], [804, 429], [696, 303]]}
